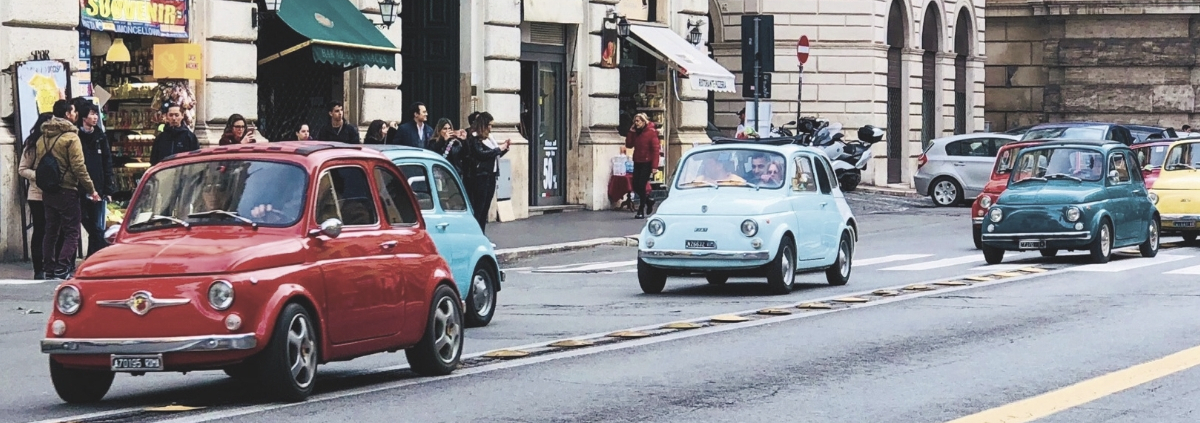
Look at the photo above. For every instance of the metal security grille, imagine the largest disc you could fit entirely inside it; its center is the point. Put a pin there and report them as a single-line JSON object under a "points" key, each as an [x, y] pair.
{"points": [[960, 95], [928, 108], [895, 137], [294, 90], [547, 33]]}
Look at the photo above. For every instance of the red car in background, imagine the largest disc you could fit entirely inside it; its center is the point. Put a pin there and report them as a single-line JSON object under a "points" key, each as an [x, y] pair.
{"points": [[1005, 159]]}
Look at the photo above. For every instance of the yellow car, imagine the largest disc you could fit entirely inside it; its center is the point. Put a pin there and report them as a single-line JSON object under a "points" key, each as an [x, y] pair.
{"points": [[1176, 193]]}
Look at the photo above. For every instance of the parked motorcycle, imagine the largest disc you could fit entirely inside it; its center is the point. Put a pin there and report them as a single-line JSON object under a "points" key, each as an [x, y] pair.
{"points": [[852, 157]]}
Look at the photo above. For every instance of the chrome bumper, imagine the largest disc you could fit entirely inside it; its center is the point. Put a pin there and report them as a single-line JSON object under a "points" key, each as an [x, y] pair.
{"points": [[702, 254], [977, 221], [1081, 235], [243, 341]]}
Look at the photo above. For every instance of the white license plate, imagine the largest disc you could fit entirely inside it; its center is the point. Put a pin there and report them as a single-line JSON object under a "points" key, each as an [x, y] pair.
{"points": [[1184, 224], [1033, 244], [702, 245], [137, 363]]}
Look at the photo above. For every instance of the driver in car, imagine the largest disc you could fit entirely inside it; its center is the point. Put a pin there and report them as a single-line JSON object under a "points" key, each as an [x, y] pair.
{"points": [[714, 171]]}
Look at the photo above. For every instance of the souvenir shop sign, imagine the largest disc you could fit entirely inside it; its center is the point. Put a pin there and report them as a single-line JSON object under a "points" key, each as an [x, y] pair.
{"points": [[160, 18]]}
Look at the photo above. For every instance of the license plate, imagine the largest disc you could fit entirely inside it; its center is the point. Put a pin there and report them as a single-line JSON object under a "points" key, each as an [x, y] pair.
{"points": [[1187, 224], [137, 363], [1031, 244], [701, 244]]}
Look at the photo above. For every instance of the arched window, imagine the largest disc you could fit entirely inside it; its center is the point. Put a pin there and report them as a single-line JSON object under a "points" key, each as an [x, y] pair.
{"points": [[930, 42], [896, 30], [962, 50]]}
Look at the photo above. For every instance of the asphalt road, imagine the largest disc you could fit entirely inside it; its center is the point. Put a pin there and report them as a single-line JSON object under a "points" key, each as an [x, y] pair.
{"points": [[921, 356]]}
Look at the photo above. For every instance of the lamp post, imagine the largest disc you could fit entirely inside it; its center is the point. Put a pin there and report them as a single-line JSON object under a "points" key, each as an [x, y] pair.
{"points": [[387, 11], [623, 28], [272, 5], [694, 35]]}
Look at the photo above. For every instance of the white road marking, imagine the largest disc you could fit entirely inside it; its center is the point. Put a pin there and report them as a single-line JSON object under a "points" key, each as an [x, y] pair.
{"points": [[1129, 264], [1194, 270], [889, 259], [22, 281], [930, 265], [585, 268]]}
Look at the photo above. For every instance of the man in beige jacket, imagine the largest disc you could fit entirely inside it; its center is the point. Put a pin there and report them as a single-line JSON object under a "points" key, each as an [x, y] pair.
{"points": [[60, 138]]}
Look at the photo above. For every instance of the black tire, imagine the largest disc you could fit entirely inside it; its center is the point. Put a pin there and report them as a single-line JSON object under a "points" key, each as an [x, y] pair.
{"points": [[977, 236], [715, 278], [1101, 248], [1049, 252], [652, 279], [481, 298], [78, 386], [781, 272], [839, 273], [1189, 237], [848, 181], [440, 349], [1150, 247], [952, 194], [993, 255], [293, 342], [240, 371]]}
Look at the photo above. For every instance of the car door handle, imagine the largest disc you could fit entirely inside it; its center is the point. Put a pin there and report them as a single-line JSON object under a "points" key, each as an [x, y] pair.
{"points": [[823, 204], [443, 225], [389, 245], [959, 164], [1139, 193]]}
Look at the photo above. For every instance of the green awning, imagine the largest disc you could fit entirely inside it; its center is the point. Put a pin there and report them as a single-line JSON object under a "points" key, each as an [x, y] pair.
{"points": [[338, 33]]}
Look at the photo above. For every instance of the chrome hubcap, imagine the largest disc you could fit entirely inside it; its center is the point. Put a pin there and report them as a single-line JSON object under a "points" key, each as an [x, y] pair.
{"points": [[301, 352], [844, 259], [481, 295], [1153, 236], [944, 192], [786, 266], [1104, 240], [447, 329]]}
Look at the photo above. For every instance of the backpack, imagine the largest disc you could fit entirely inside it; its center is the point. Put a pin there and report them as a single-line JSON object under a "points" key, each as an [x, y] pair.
{"points": [[48, 175]]}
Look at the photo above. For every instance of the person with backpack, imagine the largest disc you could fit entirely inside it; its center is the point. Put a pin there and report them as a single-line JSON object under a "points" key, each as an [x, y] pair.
{"points": [[33, 196], [60, 172]]}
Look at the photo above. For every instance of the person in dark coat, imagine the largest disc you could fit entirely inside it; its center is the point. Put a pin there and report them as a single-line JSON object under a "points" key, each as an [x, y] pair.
{"points": [[376, 133], [414, 132], [174, 139], [448, 143], [643, 139], [97, 156], [481, 167], [338, 129]]}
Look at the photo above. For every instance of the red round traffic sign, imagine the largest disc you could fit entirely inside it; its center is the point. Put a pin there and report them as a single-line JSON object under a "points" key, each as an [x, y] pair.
{"points": [[802, 49]]}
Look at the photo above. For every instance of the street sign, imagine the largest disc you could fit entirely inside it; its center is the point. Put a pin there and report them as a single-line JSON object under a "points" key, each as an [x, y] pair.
{"points": [[802, 50]]}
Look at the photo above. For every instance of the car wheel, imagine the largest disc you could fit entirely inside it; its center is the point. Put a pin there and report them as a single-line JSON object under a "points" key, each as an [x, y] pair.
{"points": [[78, 386], [240, 371], [288, 364], [781, 272], [946, 192], [1189, 238], [993, 255], [1049, 252], [977, 236], [839, 273], [652, 279], [440, 349], [1101, 248], [481, 298], [715, 278], [1150, 247]]}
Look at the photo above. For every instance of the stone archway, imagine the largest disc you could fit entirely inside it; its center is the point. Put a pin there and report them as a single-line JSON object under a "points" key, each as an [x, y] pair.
{"points": [[931, 37], [962, 50], [897, 30]]}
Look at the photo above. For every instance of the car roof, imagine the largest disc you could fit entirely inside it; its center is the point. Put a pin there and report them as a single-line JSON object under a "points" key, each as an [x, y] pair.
{"points": [[405, 151], [323, 150], [975, 135], [1101, 144], [1164, 141], [1016, 144], [1072, 125], [768, 145]]}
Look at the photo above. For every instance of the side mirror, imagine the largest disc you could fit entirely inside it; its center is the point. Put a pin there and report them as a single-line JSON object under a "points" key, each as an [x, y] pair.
{"points": [[1112, 176], [110, 234], [330, 228]]}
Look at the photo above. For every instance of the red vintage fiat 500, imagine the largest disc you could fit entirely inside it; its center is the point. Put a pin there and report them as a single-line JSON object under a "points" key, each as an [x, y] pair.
{"points": [[261, 260]]}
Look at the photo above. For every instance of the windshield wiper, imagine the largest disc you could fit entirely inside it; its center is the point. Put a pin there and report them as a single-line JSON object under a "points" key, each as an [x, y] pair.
{"points": [[234, 215], [735, 181], [689, 184], [1031, 178], [1177, 166], [158, 218], [1064, 176]]}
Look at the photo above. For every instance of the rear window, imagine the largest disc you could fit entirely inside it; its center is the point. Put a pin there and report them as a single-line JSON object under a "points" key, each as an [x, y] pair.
{"points": [[1071, 132], [1151, 155], [1004, 162]]}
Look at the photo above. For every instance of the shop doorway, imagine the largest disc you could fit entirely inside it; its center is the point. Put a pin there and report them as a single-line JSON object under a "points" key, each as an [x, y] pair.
{"points": [[430, 57], [544, 117]]}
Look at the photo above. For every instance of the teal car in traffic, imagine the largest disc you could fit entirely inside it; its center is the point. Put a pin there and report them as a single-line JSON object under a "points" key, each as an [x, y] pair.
{"points": [[1073, 195], [452, 226]]}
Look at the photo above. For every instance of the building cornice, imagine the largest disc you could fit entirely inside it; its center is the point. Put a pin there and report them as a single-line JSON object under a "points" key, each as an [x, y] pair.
{"points": [[1030, 8]]}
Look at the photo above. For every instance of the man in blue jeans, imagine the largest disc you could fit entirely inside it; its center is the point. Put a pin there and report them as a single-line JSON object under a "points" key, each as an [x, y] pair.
{"points": [[97, 156]]}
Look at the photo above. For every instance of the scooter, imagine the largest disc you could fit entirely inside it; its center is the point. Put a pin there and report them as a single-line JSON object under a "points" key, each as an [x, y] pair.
{"points": [[850, 158]]}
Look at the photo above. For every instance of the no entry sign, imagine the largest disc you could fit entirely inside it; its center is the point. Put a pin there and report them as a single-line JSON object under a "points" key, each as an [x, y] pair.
{"points": [[802, 49]]}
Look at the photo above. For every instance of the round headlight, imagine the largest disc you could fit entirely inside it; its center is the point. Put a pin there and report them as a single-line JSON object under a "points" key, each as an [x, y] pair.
{"points": [[68, 299], [1072, 213], [220, 295], [656, 227], [985, 201], [995, 215], [1153, 197], [749, 227]]}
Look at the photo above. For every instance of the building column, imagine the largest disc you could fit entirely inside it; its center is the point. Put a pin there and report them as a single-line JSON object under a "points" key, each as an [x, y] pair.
{"points": [[692, 112], [911, 148], [501, 78], [945, 95], [230, 66], [599, 141], [378, 88]]}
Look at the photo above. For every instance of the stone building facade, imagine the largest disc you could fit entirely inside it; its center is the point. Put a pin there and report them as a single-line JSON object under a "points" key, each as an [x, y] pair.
{"points": [[1119, 61], [914, 67]]}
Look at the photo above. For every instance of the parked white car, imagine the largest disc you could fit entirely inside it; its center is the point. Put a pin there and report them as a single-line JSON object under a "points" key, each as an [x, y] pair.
{"points": [[954, 169]]}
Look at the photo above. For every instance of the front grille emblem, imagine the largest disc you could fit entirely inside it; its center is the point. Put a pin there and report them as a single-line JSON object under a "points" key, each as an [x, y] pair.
{"points": [[142, 302]]}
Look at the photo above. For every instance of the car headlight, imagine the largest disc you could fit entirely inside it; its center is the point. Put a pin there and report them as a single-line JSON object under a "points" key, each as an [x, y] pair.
{"points": [[220, 295], [1072, 213], [749, 227], [995, 215], [68, 300], [985, 201], [656, 227], [1153, 198]]}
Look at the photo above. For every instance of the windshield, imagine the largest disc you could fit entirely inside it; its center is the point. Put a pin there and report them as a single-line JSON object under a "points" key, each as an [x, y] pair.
{"points": [[1070, 132], [1183, 157], [1004, 162], [732, 167], [1059, 163], [230, 192], [1151, 155]]}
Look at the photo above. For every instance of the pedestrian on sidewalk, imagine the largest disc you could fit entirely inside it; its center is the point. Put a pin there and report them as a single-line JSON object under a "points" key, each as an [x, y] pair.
{"points": [[414, 132], [33, 197], [338, 129], [643, 139], [97, 157], [376, 133], [447, 143], [236, 131], [483, 168], [60, 140], [300, 133], [175, 138]]}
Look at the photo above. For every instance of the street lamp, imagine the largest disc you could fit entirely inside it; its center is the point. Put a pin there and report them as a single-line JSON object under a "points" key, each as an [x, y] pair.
{"points": [[387, 11], [694, 36], [272, 5], [623, 28]]}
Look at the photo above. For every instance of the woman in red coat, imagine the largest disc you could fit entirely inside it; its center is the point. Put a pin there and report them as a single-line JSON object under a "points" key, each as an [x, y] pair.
{"points": [[643, 139]]}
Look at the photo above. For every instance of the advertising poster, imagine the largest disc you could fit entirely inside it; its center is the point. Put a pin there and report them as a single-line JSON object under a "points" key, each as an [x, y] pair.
{"points": [[160, 18], [39, 84], [608, 47]]}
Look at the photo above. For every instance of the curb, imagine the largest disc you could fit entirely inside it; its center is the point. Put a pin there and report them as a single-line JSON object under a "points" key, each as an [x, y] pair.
{"points": [[887, 191], [508, 255]]}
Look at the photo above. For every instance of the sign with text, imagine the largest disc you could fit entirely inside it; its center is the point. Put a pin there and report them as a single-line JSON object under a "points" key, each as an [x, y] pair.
{"points": [[39, 84], [177, 61], [160, 18]]}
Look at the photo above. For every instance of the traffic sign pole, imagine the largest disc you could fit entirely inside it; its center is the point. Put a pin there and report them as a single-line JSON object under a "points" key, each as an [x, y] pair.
{"points": [[802, 49], [757, 74]]}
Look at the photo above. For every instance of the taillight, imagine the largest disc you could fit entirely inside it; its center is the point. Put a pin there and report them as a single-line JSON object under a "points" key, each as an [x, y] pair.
{"points": [[921, 160]]}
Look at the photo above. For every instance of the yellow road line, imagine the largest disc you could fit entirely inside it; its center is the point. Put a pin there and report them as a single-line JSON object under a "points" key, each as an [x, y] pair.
{"points": [[1043, 405]]}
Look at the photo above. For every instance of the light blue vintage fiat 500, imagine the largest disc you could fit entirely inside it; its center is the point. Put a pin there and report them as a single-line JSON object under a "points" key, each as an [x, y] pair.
{"points": [[452, 226], [749, 209]]}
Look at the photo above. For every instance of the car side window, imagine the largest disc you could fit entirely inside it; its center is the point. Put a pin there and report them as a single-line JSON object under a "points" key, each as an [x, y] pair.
{"points": [[955, 149], [450, 195], [823, 177], [397, 206], [345, 193], [1117, 164], [1134, 169], [995, 145], [419, 182], [805, 179]]}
